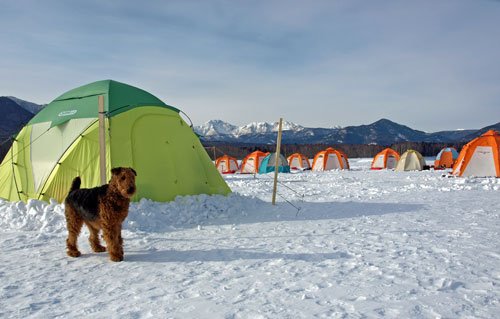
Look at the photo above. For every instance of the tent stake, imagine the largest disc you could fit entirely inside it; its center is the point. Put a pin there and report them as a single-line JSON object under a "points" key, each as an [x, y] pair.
{"points": [[277, 160], [102, 140]]}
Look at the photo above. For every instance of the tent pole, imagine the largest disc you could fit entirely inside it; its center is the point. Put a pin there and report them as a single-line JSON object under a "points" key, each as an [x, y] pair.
{"points": [[102, 140], [277, 160]]}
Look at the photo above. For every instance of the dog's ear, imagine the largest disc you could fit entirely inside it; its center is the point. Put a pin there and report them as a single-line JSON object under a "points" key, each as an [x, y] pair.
{"points": [[133, 171], [116, 170]]}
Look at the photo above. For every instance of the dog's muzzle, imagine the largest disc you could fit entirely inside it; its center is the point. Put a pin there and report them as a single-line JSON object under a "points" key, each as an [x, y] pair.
{"points": [[131, 190]]}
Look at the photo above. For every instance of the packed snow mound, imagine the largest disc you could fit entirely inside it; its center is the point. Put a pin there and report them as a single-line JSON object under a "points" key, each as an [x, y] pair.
{"points": [[187, 211], [144, 216], [253, 194], [35, 215]]}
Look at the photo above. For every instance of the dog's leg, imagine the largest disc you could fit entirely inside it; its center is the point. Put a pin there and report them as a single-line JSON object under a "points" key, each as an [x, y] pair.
{"points": [[112, 237], [120, 240], [74, 225], [94, 241]]}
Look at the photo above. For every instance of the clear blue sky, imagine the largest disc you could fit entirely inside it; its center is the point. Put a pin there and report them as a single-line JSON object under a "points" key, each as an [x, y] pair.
{"points": [[431, 65]]}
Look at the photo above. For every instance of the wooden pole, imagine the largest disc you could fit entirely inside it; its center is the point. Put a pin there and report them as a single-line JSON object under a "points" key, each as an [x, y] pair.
{"points": [[277, 162], [102, 140]]}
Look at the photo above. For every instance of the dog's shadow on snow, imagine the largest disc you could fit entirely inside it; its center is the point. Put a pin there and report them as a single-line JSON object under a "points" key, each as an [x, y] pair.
{"points": [[225, 255]]}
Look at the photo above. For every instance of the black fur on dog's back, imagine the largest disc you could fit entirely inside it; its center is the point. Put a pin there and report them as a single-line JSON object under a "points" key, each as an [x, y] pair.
{"points": [[85, 200]]}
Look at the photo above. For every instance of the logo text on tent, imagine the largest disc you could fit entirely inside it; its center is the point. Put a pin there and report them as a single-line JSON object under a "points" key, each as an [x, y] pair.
{"points": [[67, 113]]}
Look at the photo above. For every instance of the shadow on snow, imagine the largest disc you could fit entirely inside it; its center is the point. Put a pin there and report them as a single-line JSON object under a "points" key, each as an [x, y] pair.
{"points": [[265, 212], [219, 255], [284, 212]]}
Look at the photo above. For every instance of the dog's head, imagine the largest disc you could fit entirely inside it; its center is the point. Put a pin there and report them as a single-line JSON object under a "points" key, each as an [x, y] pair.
{"points": [[123, 180]]}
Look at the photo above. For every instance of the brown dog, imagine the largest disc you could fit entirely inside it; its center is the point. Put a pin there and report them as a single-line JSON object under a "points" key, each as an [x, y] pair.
{"points": [[104, 207]]}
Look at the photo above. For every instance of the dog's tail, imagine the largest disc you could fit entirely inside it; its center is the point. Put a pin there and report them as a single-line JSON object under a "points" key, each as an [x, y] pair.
{"points": [[75, 184]]}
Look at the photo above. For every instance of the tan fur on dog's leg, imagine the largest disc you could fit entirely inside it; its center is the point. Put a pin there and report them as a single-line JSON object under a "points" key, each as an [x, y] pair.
{"points": [[94, 241], [74, 225]]}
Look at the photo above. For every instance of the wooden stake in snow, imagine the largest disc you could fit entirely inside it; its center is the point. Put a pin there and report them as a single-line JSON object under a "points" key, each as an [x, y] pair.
{"points": [[102, 140], [277, 162]]}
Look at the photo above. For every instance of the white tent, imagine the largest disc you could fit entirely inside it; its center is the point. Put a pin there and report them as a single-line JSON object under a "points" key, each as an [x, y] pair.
{"points": [[411, 160]]}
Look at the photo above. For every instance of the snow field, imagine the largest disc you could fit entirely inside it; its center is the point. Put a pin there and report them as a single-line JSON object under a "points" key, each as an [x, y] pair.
{"points": [[364, 244]]}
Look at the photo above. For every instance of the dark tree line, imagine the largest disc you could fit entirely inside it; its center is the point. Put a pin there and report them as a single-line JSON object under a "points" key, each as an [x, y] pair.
{"points": [[239, 151]]}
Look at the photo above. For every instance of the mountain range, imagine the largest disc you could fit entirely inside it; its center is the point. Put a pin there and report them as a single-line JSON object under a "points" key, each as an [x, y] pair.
{"points": [[18, 112], [381, 132], [15, 114]]}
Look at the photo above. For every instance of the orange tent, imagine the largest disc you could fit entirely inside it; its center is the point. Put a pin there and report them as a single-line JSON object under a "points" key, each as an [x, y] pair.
{"points": [[445, 158], [330, 159], [226, 164], [251, 163], [480, 157], [298, 161], [345, 159], [387, 158]]}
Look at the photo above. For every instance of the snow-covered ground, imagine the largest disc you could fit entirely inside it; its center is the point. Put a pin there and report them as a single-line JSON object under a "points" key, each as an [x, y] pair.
{"points": [[340, 244]]}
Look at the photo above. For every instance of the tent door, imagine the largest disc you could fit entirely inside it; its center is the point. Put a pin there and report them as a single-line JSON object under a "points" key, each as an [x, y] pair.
{"points": [[481, 163], [391, 162]]}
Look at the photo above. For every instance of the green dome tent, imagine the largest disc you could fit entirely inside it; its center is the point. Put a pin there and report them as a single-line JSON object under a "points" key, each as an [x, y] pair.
{"points": [[268, 164], [62, 142]]}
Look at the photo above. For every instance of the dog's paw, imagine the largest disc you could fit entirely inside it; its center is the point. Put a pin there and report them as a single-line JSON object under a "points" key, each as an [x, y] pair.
{"points": [[74, 253], [116, 258], [99, 249]]}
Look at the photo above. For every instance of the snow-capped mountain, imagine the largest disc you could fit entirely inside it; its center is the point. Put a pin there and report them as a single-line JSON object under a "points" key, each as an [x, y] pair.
{"points": [[382, 132], [264, 127], [219, 129], [216, 128]]}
